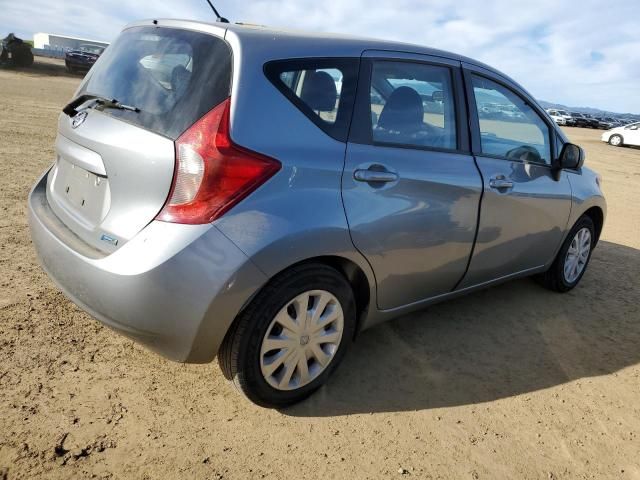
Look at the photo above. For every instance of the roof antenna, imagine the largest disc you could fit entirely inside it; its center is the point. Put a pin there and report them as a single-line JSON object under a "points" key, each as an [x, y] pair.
{"points": [[218, 17]]}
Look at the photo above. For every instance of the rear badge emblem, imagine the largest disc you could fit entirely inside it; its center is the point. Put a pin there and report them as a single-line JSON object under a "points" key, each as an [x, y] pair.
{"points": [[108, 239], [78, 119]]}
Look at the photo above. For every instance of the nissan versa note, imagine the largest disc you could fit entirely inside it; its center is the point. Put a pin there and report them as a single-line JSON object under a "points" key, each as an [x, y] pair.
{"points": [[262, 196]]}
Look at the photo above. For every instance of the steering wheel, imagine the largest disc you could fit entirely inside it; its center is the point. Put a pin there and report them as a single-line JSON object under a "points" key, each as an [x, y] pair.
{"points": [[524, 152]]}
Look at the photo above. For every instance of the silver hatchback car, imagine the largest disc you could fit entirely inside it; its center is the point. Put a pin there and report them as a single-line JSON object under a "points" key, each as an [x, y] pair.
{"points": [[262, 196]]}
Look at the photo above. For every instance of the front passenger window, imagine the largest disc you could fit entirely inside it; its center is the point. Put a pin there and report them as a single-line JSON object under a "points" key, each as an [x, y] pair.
{"points": [[509, 127]]}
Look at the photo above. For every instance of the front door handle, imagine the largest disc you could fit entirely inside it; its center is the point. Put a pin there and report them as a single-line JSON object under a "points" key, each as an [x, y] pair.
{"points": [[375, 176], [500, 182]]}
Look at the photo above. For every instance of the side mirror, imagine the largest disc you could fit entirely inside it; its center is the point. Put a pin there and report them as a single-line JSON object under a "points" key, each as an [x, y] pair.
{"points": [[633, 127], [571, 156]]}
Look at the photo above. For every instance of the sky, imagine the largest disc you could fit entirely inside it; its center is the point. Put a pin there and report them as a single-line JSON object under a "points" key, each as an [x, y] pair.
{"points": [[580, 53]]}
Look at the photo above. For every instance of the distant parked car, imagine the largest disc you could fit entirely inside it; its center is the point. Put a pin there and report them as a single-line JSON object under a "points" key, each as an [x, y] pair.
{"points": [[556, 117], [559, 119], [608, 123], [83, 58], [621, 136], [592, 121], [584, 121], [563, 114]]}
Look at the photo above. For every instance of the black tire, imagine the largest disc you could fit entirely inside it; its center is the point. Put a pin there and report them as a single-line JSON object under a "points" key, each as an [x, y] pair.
{"points": [[554, 278], [239, 355], [618, 136]]}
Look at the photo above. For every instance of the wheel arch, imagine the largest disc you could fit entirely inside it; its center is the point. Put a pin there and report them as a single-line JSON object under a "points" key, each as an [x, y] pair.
{"points": [[597, 216], [362, 286], [355, 275]]}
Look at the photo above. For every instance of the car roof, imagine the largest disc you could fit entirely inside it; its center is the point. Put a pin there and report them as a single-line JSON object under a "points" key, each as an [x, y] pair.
{"points": [[289, 43]]}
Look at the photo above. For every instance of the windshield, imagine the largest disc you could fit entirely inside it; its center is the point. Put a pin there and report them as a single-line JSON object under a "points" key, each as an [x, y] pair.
{"points": [[91, 48], [173, 76]]}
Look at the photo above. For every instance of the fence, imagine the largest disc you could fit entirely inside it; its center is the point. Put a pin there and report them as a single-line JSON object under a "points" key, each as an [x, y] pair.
{"points": [[50, 52]]}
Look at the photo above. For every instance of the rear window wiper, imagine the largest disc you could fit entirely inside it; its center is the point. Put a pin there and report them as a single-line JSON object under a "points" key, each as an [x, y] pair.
{"points": [[72, 108]]}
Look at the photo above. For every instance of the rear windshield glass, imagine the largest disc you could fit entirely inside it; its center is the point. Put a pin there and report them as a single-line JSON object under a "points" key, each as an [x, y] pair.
{"points": [[173, 76]]}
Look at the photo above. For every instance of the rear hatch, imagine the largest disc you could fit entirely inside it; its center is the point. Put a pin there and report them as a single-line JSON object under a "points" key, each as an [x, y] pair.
{"points": [[114, 167]]}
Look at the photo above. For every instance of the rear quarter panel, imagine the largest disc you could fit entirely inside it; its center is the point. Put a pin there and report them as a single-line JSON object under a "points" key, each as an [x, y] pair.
{"points": [[298, 214]]}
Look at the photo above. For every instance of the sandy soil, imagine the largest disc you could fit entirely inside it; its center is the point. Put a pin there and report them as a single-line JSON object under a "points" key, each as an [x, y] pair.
{"points": [[512, 382]]}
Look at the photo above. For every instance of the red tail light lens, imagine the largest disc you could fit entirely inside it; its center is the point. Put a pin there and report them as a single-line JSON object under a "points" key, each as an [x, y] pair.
{"points": [[212, 174]]}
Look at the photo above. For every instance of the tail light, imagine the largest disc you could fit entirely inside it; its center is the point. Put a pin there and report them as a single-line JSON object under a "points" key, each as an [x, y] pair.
{"points": [[212, 173]]}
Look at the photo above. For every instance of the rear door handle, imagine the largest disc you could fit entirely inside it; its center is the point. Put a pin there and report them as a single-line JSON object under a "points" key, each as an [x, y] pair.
{"points": [[500, 182], [374, 176]]}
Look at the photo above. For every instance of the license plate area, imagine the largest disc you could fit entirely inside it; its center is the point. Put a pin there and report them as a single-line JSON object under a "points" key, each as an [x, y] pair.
{"points": [[83, 194]]}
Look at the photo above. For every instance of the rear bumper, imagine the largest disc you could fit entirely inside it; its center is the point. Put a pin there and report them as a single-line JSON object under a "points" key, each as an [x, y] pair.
{"points": [[173, 288]]}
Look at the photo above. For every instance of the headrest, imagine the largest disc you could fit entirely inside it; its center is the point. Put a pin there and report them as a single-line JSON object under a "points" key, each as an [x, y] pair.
{"points": [[180, 78], [403, 111], [319, 91]]}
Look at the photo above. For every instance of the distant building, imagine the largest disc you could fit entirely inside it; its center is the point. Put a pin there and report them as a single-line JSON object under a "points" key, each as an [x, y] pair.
{"points": [[50, 41]]}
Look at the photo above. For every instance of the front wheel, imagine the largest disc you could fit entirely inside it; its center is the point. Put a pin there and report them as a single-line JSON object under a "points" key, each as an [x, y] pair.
{"points": [[291, 337], [572, 259], [615, 140]]}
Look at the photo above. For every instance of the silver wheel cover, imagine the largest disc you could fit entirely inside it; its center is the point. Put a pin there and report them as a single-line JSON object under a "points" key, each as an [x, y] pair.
{"points": [[301, 340], [577, 255]]}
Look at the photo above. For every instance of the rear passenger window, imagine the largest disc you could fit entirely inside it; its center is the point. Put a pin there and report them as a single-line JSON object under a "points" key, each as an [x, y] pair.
{"points": [[509, 127], [323, 89], [317, 89], [412, 104]]}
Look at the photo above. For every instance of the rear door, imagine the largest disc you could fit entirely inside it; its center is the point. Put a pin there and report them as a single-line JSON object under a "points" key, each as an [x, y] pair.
{"points": [[411, 189], [524, 208], [114, 168]]}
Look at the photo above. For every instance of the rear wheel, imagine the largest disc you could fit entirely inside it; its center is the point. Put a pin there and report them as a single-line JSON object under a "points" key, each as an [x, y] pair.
{"points": [[291, 337], [572, 259], [616, 140]]}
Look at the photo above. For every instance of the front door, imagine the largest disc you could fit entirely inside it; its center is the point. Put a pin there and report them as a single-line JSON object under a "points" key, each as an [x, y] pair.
{"points": [[631, 134], [411, 189], [524, 209]]}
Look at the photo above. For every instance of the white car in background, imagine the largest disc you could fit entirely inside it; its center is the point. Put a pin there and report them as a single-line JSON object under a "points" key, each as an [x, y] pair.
{"points": [[561, 117], [557, 118], [621, 136]]}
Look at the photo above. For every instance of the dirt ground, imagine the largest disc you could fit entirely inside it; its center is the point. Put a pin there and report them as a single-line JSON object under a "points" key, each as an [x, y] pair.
{"points": [[511, 382]]}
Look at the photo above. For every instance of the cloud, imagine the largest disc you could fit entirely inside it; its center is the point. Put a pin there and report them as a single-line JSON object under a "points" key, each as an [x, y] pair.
{"points": [[580, 54]]}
